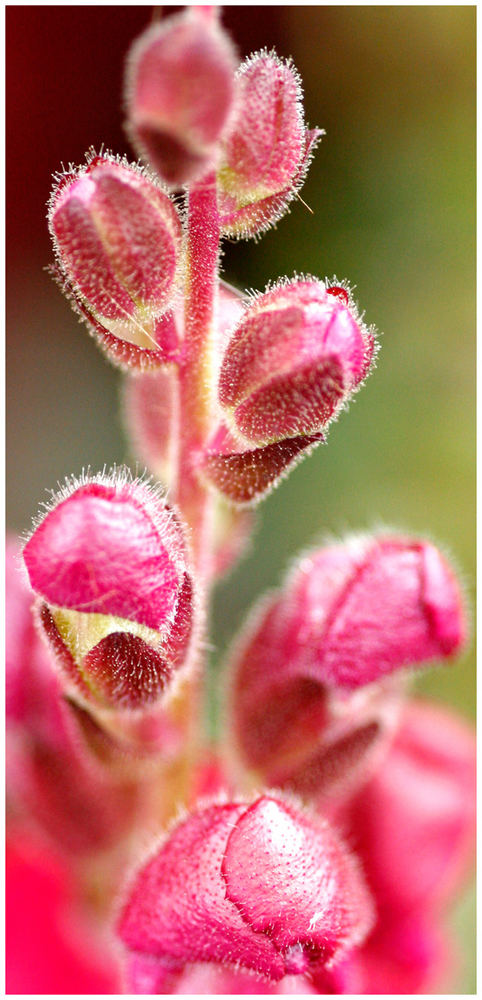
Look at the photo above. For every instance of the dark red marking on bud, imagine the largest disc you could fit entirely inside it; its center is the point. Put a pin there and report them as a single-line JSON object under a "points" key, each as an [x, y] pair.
{"points": [[339, 293]]}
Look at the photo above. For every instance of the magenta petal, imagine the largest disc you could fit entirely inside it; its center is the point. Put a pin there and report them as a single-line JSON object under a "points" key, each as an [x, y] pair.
{"points": [[52, 948], [401, 605], [178, 910], [102, 550], [293, 881], [413, 824], [404, 957]]}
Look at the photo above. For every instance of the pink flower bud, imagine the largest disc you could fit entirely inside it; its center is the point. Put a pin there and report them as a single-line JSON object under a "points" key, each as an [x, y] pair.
{"points": [[259, 886], [109, 564], [295, 731], [293, 361], [267, 152], [180, 89], [80, 783], [52, 775], [413, 824], [335, 636], [117, 237], [305, 711]]}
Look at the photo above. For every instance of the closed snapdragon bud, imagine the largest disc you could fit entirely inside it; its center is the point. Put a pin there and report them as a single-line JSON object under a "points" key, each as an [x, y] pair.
{"points": [[262, 886], [117, 237], [317, 671], [109, 566], [267, 152], [366, 608], [295, 358], [180, 90]]}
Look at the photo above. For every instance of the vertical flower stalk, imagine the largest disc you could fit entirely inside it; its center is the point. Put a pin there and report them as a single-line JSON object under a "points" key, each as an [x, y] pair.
{"points": [[180, 93], [196, 400]]}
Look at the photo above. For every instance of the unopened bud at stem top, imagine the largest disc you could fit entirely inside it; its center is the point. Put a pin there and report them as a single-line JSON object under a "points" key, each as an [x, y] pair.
{"points": [[180, 94]]}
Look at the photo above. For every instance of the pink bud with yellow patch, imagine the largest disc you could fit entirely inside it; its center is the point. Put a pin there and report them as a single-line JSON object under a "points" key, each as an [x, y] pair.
{"points": [[297, 355], [180, 90], [262, 886], [110, 567], [118, 241], [267, 152]]}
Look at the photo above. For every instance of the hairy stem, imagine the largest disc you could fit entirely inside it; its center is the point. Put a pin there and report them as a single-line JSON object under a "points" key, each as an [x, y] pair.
{"points": [[197, 381], [197, 402]]}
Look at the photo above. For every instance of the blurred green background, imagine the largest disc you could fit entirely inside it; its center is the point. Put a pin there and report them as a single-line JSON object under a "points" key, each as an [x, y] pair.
{"points": [[392, 189]]}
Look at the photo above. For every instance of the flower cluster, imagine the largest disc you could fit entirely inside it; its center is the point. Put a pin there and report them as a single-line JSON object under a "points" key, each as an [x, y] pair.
{"points": [[317, 846]]}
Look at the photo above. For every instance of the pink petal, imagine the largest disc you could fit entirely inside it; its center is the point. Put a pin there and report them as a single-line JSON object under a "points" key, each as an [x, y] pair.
{"points": [[293, 881], [51, 948], [178, 910], [413, 824], [108, 550]]}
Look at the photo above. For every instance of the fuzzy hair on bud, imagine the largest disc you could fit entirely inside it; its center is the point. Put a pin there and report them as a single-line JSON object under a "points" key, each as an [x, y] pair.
{"points": [[294, 360], [118, 242], [109, 565], [267, 152], [180, 92], [260, 886]]}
